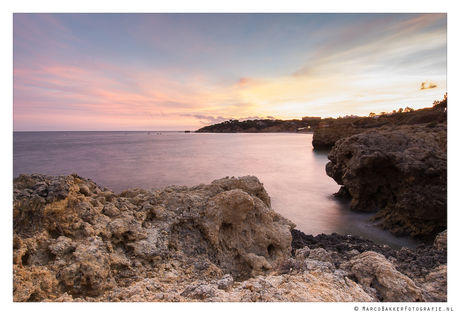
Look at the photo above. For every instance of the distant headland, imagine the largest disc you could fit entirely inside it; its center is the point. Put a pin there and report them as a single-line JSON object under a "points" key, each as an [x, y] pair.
{"points": [[406, 116]]}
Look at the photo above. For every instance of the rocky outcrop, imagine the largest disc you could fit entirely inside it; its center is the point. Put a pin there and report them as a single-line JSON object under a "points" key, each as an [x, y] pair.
{"points": [[382, 271], [74, 241], [93, 240], [381, 280], [399, 171], [326, 137]]}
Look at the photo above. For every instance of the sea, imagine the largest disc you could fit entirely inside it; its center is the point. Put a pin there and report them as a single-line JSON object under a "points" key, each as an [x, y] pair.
{"points": [[293, 173]]}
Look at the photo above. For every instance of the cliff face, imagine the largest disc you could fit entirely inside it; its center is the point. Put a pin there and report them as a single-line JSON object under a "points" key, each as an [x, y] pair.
{"points": [[325, 138], [400, 171], [73, 241]]}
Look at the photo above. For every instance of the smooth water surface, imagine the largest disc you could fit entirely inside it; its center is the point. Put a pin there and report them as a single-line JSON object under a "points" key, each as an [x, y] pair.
{"points": [[292, 172]]}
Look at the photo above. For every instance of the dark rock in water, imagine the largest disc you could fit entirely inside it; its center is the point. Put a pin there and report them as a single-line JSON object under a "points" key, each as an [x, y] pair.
{"points": [[401, 172], [343, 193], [325, 138]]}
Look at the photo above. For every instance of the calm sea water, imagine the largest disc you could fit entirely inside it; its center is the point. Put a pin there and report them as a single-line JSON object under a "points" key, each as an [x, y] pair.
{"points": [[292, 172]]}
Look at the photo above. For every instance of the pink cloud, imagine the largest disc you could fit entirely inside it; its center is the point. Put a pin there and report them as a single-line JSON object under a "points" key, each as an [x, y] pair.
{"points": [[99, 91], [165, 81]]}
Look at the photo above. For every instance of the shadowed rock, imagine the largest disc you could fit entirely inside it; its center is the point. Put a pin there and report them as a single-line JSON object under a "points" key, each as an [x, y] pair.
{"points": [[400, 172]]}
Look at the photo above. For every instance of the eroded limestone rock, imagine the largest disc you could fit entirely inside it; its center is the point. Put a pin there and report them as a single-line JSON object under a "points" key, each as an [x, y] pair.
{"points": [[399, 171], [215, 243], [425, 265], [91, 240], [380, 279]]}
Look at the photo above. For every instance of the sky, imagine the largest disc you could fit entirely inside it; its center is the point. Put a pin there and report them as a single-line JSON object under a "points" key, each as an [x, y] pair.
{"points": [[182, 71]]}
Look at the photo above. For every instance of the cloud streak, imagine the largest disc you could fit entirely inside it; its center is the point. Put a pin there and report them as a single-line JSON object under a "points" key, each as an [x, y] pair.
{"points": [[181, 71], [427, 85], [366, 44]]}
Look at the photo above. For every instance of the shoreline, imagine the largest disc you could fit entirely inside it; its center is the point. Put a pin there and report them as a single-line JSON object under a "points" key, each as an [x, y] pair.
{"points": [[75, 241], [413, 243]]}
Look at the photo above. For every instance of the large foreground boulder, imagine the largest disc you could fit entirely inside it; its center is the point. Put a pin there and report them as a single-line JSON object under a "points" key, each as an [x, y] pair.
{"points": [[72, 236], [400, 172]]}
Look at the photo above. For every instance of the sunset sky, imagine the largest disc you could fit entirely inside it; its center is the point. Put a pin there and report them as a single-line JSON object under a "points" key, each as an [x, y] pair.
{"points": [[184, 71]]}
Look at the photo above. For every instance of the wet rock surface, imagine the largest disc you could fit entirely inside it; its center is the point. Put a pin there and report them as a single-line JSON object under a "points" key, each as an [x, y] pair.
{"points": [[399, 171], [74, 241]]}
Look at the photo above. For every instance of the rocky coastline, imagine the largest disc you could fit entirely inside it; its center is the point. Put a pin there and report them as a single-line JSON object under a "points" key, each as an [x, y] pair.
{"points": [[394, 165], [399, 172], [74, 241], [336, 129]]}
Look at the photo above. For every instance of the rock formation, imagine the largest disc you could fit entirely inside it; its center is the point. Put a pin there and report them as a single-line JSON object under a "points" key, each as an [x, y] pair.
{"points": [[400, 171], [325, 138], [380, 269], [381, 280], [90, 238], [74, 241]]}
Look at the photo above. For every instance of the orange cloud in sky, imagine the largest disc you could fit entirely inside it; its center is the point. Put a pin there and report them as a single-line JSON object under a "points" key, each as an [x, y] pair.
{"points": [[159, 71], [146, 99], [427, 85]]}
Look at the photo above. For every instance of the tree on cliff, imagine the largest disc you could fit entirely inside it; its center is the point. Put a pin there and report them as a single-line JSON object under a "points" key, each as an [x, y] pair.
{"points": [[442, 104]]}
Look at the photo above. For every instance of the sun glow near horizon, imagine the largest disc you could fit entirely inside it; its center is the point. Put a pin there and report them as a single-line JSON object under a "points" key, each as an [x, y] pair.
{"points": [[184, 71]]}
